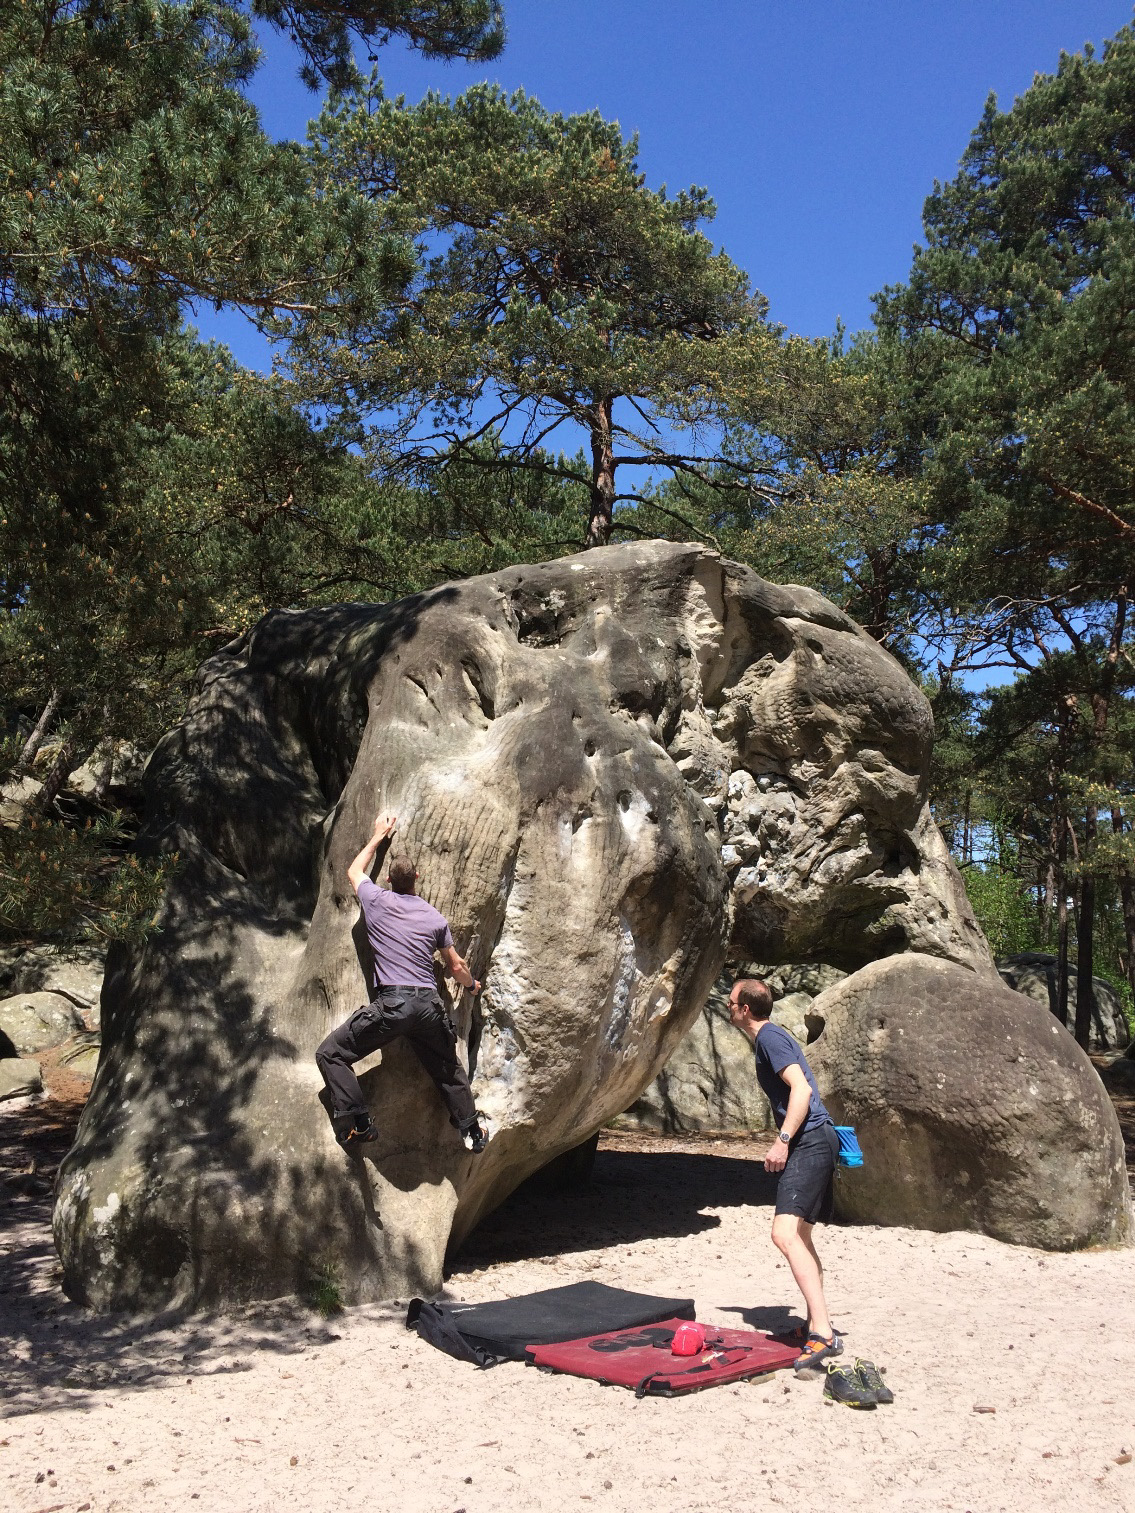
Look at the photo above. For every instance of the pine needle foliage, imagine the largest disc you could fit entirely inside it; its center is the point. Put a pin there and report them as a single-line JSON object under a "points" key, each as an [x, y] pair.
{"points": [[553, 295]]}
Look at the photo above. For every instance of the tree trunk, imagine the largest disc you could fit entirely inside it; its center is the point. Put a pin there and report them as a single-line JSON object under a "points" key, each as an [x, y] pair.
{"points": [[106, 773], [1062, 929], [1048, 895], [1085, 987], [967, 853], [71, 755], [1127, 899], [602, 474], [36, 739], [1101, 708]]}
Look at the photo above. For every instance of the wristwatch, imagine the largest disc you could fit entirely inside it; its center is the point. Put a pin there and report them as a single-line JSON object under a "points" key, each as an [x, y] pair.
{"points": [[787, 1139]]}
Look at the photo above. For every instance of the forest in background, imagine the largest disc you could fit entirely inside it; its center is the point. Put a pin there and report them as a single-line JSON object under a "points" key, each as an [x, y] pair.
{"points": [[499, 344]]}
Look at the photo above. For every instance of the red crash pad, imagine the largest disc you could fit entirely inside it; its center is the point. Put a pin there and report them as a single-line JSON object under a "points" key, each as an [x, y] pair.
{"points": [[642, 1359]]}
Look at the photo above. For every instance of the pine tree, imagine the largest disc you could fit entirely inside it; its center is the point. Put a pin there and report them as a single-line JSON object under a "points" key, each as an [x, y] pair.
{"points": [[553, 291]]}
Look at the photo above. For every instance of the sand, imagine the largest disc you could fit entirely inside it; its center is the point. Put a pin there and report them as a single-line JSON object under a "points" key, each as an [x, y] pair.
{"points": [[279, 1408]]}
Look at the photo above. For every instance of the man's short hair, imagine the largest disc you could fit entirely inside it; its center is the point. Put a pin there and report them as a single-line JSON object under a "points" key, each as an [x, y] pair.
{"points": [[403, 874], [755, 995]]}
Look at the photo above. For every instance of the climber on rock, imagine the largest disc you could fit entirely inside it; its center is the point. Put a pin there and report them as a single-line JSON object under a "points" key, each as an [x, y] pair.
{"points": [[804, 1153], [404, 931]]}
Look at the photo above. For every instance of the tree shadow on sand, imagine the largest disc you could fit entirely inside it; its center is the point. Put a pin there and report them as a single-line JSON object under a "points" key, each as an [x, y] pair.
{"points": [[55, 1353]]}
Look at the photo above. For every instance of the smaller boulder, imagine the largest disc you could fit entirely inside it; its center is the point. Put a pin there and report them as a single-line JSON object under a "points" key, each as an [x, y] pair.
{"points": [[1034, 973], [975, 1109], [34, 1021], [74, 971], [15, 799], [83, 1059], [795, 977], [1119, 1076], [19, 1079], [791, 1012], [709, 1084]]}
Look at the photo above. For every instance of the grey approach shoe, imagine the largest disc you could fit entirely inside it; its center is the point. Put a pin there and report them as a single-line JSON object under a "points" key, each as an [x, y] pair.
{"points": [[845, 1386], [871, 1378]]}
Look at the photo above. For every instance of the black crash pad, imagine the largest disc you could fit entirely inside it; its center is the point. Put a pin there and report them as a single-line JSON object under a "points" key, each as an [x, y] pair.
{"points": [[488, 1333]]}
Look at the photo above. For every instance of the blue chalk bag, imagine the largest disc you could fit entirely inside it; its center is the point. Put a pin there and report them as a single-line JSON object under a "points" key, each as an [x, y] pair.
{"points": [[849, 1152]]}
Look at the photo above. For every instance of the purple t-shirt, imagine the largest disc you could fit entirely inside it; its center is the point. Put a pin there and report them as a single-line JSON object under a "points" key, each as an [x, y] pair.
{"points": [[404, 932]]}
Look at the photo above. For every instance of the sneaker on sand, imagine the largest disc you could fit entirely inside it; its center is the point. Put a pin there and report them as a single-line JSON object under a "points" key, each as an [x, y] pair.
{"points": [[844, 1386], [816, 1351], [869, 1375], [358, 1134]]}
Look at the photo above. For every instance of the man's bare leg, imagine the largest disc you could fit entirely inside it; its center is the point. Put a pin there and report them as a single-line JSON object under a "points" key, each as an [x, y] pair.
{"points": [[806, 1236], [792, 1236]]}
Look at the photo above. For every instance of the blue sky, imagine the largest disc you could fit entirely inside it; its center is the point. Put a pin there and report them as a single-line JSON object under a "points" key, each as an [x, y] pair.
{"points": [[818, 126]]}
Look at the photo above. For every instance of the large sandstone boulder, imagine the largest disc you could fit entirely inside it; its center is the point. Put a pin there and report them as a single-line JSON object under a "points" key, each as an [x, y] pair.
{"points": [[1035, 974], [974, 1107], [608, 767]]}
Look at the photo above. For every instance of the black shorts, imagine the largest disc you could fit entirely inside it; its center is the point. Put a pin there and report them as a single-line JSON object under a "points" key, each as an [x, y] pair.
{"points": [[806, 1188]]}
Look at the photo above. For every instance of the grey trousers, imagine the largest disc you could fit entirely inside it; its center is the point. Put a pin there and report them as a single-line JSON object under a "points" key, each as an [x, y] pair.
{"points": [[416, 1014]]}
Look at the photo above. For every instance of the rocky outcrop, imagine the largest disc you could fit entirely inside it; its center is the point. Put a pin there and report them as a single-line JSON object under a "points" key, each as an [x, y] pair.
{"points": [[1035, 974], [609, 767], [975, 1109]]}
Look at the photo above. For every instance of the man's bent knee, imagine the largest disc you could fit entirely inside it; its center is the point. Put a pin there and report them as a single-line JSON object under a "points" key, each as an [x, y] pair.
{"points": [[331, 1050], [787, 1231]]}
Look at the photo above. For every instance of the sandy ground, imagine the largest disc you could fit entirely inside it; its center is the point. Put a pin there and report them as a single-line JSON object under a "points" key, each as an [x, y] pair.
{"points": [[277, 1408]]}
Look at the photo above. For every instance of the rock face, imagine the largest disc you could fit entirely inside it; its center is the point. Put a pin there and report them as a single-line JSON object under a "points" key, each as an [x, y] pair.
{"points": [[1034, 973], [607, 767], [974, 1107]]}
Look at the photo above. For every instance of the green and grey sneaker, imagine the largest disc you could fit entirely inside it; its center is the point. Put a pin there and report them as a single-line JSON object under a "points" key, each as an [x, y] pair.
{"points": [[844, 1386], [869, 1375]]}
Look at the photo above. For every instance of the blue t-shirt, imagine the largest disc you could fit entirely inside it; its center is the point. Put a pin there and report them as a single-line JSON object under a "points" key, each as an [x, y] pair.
{"points": [[775, 1049], [404, 932]]}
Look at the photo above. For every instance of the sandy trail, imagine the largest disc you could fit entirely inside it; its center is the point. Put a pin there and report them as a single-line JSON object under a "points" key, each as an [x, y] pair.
{"points": [[277, 1408]]}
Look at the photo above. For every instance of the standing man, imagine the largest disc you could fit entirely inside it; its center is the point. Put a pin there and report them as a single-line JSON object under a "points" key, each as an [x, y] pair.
{"points": [[804, 1154], [404, 931]]}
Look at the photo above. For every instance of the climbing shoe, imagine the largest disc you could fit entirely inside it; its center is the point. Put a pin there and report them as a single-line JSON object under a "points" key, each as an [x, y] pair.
{"points": [[799, 1336], [816, 1351], [360, 1132], [475, 1136], [844, 1385], [869, 1375]]}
